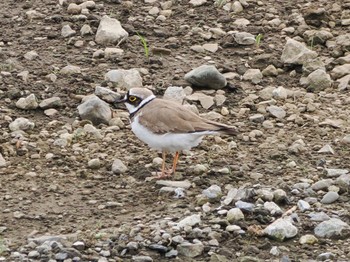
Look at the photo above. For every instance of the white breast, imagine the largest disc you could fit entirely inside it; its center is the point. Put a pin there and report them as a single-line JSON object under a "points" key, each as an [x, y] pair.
{"points": [[169, 142]]}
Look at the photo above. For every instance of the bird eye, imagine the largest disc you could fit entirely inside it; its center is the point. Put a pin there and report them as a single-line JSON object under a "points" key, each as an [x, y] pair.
{"points": [[132, 98]]}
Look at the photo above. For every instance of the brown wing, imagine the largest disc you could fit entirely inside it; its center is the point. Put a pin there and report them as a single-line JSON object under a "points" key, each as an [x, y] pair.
{"points": [[166, 116]]}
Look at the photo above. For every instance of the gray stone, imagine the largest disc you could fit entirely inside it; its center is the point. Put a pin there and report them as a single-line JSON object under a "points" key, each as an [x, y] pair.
{"points": [[234, 215], [270, 70], [332, 228], [110, 31], [273, 208], [175, 93], [51, 102], [245, 206], [118, 167], [94, 163], [303, 205], [318, 80], [344, 179], [340, 71], [95, 110], [171, 254], [327, 256], [190, 250], [124, 79], [106, 94], [2, 163], [280, 196], [312, 65], [308, 239], [330, 197], [21, 123], [276, 111], [70, 70], [243, 22], [237, 7], [113, 52], [244, 38], [190, 221], [319, 216], [141, 259], [206, 76], [79, 245], [27, 103], [73, 9], [175, 184], [258, 118], [196, 3], [33, 254], [253, 75], [343, 40], [67, 31], [86, 30], [281, 229], [327, 149], [314, 37], [335, 172], [322, 184], [295, 52], [31, 55], [212, 192], [344, 83]]}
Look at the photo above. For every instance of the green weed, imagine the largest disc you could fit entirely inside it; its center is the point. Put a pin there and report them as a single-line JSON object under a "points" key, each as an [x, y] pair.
{"points": [[258, 40], [144, 44]]}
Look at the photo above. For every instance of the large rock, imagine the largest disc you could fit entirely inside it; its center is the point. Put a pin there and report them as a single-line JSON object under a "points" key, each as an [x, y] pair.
{"points": [[332, 228], [206, 76], [106, 94], [95, 110], [124, 78], [343, 41], [281, 229], [295, 52], [340, 71], [110, 31]]}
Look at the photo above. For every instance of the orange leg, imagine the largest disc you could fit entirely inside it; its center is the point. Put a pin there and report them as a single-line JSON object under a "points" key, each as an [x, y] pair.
{"points": [[164, 172], [176, 158]]}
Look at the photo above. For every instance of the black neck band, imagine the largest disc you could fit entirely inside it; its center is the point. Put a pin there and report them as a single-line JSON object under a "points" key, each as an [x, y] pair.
{"points": [[134, 113]]}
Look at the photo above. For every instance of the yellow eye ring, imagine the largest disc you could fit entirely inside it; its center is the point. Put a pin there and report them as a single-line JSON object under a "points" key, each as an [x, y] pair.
{"points": [[132, 98]]}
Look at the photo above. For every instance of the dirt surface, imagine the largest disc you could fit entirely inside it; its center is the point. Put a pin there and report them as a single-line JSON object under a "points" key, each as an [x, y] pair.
{"points": [[60, 195]]}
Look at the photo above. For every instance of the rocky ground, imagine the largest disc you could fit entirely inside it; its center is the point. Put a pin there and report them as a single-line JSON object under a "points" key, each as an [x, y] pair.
{"points": [[74, 179]]}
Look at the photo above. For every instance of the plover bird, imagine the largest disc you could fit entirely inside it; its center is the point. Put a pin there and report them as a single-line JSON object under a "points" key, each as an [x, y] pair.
{"points": [[166, 125]]}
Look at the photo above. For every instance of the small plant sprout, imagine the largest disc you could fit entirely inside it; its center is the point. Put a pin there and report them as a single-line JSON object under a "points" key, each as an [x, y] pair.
{"points": [[258, 39], [144, 44]]}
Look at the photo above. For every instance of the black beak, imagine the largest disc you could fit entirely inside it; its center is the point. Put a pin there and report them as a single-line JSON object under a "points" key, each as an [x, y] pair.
{"points": [[119, 101]]}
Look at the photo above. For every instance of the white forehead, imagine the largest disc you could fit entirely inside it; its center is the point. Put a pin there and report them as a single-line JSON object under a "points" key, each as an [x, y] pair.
{"points": [[140, 92]]}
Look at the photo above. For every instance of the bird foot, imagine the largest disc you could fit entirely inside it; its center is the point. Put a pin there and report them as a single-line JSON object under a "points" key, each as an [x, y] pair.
{"points": [[161, 175]]}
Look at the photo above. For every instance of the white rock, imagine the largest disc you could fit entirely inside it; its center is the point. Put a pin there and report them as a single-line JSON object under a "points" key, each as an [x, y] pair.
{"points": [[196, 3], [190, 221], [326, 149], [31, 55], [295, 52], [253, 75], [175, 93], [21, 123], [281, 229], [244, 38], [273, 208], [118, 167], [106, 94], [51, 102], [2, 161], [111, 52], [110, 31], [212, 192], [332, 228], [70, 70], [340, 71], [211, 47], [303, 205], [276, 111], [27, 103], [124, 78], [67, 31], [73, 9], [234, 215], [86, 30]]}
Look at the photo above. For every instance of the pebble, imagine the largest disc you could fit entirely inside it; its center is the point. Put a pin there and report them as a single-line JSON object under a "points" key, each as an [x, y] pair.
{"points": [[249, 207], [206, 76], [318, 216], [327, 256], [94, 163], [190, 221], [51, 102], [27, 103], [2, 162], [110, 31], [330, 197], [322, 184], [70, 70], [21, 123], [253, 75], [141, 259], [281, 229], [234, 215], [175, 93], [212, 192], [31, 55], [303, 205], [190, 250], [308, 239], [334, 172], [107, 94], [175, 184], [273, 208], [295, 52], [332, 228], [318, 80], [276, 111], [244, 38], [95, 110], [86, 30], [125, 79], [118, 167], [67, 31]]}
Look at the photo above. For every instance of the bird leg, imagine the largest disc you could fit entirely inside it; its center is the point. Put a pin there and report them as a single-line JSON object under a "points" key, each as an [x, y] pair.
{"points": [[164, 173], [176, 158]]}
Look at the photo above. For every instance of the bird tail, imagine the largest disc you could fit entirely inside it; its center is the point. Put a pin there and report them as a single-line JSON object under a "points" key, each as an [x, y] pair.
{"points": [[225, 129]]}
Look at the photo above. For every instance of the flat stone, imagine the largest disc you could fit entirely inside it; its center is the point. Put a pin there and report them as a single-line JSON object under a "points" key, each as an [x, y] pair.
{"points": [[175, 184], [253, 75], [125, 79], [95, 110], [319, 216], [206, 76], [276, 111], [21, 123], [336, 172], [295, 52], [190, 221], [330, 197], [190, 250], [70, 70], [51, 102], [332, 228], [281, 229]]}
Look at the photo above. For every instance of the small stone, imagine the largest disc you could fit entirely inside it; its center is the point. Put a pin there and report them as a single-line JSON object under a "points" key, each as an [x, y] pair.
{"points": [[244, 38], [70, 70], [125, 79], [270, 70], [110, 31], [212, 192], [51, 102], [308, 239], [33, 254], [335, 172], [326, 149], [237, 7], [112, 52], [2, 162], [330, 197], [196, 3], [171, 254], [275, 251], [249, 207], [175, 93], [211, 47], [318, 80], [253, 75], [276, 111], [27, 103], [190, 221], [94, 163], [206, 76], [258, 118], [18, 214], [190, 250], [234, 215], [31, 55], [118, 167], [175, 184], [273, 208], [79, 245], [21, 123], [141, 259], [327, 256], [86, 30], [303, 205], [95, 110], [295, 52], [67, 31], [319, 216], [106, 94], [340, 71], [332, 228], [281, 229]]}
